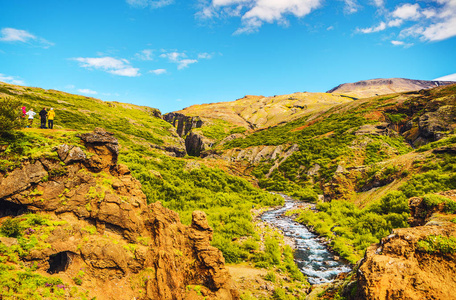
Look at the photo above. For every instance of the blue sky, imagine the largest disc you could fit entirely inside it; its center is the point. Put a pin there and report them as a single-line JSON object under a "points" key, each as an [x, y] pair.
{"points": [[170, 54]]}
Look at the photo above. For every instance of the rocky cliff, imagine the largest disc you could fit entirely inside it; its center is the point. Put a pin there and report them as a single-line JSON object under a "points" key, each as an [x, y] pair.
{"points": [[183, 124], [413, 263], [105, 237]]}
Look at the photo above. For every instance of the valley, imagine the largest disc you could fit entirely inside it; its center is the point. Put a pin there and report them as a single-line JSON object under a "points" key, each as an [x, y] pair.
{"points": [[167, 206]]}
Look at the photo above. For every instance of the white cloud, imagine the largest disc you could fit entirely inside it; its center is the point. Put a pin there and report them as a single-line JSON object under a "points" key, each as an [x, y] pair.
{"points": [[11, 79], [173, 56], [179, 58], [451, 77], [23, 36], [254, 13], [330, 28], [205, 56], [351, 6], [379, 3], [380, 27], [397, 43], [108, 64], [402, 43], [158, 71], [408, 12], [146, 54], [184, 63], [440, 30], [429, 13], [16, 35], [395, 23], [435, 23], [87, 91], [150, 3]]}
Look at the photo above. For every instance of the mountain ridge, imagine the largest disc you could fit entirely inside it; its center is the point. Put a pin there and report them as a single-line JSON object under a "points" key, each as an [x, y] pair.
{"points": [[383, 86]]}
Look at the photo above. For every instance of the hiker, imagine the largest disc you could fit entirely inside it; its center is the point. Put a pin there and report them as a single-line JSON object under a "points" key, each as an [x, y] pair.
{"points": [[24, 111], [51, 115], [30, 115], [43, 115]]}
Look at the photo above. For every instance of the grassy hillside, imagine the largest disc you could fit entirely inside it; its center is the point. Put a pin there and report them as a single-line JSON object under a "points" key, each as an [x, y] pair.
{"points": [[181, 184], [85, 113], [366, 158], [255, 112], [359, 160]]}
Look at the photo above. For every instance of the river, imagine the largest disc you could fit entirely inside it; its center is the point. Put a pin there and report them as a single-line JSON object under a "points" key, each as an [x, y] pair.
{"points": [[312, 257]]}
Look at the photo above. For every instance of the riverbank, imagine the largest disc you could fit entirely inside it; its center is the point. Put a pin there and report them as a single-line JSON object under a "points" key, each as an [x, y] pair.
{"points": [[313, 257]]}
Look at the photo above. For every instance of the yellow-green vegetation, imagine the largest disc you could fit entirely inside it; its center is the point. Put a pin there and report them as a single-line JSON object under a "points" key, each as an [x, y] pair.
{"points": [[436, 200], [326, 141], [263, 112], [277, 258], [438, 244], [78, 278], [32, 145], [216, 129], [90, 229], [196, 288], [226, 199], [85, 113], [351, 229], [19, 280], [11, 116]]}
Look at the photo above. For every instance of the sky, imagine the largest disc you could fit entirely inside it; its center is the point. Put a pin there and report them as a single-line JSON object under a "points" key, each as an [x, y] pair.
{"points": [[170, 54]]}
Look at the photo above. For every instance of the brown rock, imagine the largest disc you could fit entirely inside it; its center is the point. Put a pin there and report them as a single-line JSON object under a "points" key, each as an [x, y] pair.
{"points": [[70, 154], [398, 269], [105, 145], [20, 179], [7, 241], [132, 238]]}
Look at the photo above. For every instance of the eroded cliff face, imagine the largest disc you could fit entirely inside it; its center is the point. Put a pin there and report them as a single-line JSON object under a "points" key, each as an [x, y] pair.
{"points": [[183, 124], [126, 248], [413, 263]]}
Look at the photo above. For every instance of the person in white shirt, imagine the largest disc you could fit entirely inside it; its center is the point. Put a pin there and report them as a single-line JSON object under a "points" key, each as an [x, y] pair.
{"points": [[30, 115]]}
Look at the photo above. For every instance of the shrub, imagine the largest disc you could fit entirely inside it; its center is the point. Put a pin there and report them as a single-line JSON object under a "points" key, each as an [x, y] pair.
{"points": [[393, 202], [434, 200], [11, 116], [270, 276], [11, 228], [437, 243]]}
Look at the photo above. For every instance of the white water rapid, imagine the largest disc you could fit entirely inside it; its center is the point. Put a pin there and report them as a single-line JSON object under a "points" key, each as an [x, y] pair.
{"points": [[312, 257]]}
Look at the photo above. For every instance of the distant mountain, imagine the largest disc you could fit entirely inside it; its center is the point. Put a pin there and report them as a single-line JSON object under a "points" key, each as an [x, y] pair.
{"points": [[380, 86]]}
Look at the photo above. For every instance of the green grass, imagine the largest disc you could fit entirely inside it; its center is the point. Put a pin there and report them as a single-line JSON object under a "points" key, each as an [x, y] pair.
{"points": [[350, 229], [436, 200], [438, 244], [184, 187]]}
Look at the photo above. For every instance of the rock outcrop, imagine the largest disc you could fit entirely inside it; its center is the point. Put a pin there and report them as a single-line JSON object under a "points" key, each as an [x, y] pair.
{"points": [[106, 227], [413, 263], [399, 269], [183, 124], [430, 117]]}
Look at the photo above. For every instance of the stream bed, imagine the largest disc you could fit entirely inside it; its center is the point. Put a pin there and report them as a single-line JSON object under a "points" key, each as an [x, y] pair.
{"points": [[312, 257]]}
